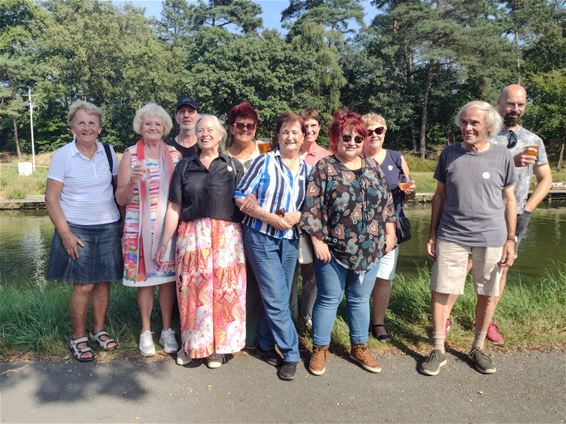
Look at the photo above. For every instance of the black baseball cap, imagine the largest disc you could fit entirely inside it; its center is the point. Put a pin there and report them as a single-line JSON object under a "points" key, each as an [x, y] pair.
{"points": [[186, 101]]}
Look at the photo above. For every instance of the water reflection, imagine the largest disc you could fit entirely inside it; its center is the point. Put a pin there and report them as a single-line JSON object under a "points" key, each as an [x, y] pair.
{"points": [[25, 238], [540, 251]]}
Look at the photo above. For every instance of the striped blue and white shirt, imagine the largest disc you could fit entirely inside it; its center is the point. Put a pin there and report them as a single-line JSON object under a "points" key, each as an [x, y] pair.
{"points": [[275, 188]]}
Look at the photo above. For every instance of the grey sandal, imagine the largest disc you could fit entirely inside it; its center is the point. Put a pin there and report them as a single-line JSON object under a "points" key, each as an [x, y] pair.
{"points": [[78, 352], [103, 344]]}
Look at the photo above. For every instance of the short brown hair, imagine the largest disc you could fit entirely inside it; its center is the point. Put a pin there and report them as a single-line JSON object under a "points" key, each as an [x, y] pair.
{"points": [[310, 113], [286, 118]]}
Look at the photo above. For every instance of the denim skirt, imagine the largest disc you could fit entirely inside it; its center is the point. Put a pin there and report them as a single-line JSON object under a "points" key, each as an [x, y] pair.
{"points": [[99, 260]]}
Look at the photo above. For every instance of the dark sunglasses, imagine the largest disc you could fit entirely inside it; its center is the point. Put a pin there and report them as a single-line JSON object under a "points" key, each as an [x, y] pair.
{"points": [[511, 140], [377, 131], [241, 126], [346, 138]]}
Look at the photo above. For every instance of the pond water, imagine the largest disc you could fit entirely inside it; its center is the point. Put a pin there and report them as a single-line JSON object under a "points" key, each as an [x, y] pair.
{"points": [[25, 237]]}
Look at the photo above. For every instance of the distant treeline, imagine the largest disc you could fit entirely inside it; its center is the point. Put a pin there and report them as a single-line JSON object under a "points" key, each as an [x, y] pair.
{"points": [[416, 63]]}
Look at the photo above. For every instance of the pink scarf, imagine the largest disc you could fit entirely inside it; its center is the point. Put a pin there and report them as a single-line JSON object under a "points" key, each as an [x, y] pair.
{"points": [[147, 242]]}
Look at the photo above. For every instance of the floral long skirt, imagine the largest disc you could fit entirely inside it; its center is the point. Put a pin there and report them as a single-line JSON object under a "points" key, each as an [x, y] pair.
{"points": [[211, 284]]}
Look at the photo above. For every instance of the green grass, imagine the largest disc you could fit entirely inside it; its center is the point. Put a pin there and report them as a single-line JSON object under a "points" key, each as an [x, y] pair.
{"points": [[14, 186], [34, 322], [416, 164], [531, 315]]}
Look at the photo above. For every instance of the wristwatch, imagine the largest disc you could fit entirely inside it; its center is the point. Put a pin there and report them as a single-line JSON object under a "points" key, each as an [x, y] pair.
{"points": [[512, 238]]}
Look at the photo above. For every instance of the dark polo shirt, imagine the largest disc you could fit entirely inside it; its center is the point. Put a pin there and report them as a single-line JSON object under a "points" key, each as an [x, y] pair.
{"points": [[207, 193]]}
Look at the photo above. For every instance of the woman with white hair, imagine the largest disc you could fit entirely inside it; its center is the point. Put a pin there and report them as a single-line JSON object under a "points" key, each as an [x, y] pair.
{"points": [[143, 187], [211, 270], [86, 244], [473, 214]]}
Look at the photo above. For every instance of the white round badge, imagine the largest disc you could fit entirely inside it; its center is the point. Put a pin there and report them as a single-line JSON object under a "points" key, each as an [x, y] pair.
{"points": [[390, 167], [486, 175], [229, 168]]}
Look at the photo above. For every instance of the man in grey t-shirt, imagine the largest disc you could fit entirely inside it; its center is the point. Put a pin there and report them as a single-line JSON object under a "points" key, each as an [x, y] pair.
{"points": [[473, 214], [529, 156]]}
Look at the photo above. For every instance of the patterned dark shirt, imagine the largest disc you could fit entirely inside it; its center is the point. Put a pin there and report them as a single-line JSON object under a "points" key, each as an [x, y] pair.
{"points": [[348, 210]]}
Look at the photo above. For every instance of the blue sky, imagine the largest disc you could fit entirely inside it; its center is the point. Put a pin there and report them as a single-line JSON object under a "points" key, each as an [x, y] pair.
{"points": [[271, 10]]}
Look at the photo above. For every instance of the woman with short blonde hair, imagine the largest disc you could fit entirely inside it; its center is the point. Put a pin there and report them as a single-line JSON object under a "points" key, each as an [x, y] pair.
{"points": [[86, 244], [394, 167], [143, 187]]}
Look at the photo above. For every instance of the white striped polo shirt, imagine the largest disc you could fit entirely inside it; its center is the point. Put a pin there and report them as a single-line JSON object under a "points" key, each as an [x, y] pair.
{"points": [[87, 197]]}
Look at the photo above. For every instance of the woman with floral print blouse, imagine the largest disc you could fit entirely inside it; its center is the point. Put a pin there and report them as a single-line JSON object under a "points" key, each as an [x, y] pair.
{"points": [[349, 215]]}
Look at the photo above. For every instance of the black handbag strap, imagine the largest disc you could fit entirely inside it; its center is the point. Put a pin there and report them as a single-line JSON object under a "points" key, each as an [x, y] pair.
{"points": [[110, 163]]}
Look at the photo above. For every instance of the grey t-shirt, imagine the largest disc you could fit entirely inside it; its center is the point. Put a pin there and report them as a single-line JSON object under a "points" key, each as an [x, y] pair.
{"points": [[474, 212], [524, 173]]}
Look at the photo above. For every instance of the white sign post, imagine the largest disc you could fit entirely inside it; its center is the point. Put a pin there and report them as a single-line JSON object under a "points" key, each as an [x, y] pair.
{"points": [[31, 125]]}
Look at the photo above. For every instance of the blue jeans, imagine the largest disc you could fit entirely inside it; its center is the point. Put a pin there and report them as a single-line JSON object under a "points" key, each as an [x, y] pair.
{"points": [[273, 263], [331, 280]]}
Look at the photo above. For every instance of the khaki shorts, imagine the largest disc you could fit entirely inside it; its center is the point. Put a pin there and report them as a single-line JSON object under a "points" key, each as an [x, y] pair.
{"points": [[450, 268]]}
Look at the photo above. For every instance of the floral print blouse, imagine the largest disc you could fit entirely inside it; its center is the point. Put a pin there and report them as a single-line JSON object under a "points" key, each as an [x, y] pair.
{"points": [[348, 210]]}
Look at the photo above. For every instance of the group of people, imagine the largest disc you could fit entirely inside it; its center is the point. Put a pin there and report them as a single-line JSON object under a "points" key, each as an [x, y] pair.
{"points": [[215, 225]]}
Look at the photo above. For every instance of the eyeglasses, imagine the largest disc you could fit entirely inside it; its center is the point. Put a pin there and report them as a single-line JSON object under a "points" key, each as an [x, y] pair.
{"points": [[377, 131], [241, 126], [511, 140], [346, 138]]}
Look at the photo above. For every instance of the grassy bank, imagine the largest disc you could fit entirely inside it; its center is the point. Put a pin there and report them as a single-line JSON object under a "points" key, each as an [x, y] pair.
{"points": [[34, 323], [14, 186], [17, 187]]}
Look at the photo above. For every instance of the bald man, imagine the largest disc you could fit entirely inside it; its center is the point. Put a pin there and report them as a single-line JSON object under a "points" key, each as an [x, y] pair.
{"points": [[511, 105]]}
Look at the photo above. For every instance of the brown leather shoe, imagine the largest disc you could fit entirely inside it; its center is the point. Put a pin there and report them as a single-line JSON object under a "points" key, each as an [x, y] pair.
{"points": [[317, 364], [361, 355]]}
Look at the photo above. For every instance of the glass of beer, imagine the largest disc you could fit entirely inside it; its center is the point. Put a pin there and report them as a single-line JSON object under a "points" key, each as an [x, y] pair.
{"points": [[532, 150], [406, 184], [263, 146]]}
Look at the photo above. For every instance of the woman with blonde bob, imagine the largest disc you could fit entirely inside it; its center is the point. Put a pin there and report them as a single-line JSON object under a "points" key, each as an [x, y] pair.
{"points": [[394, 168], [143, 186]]}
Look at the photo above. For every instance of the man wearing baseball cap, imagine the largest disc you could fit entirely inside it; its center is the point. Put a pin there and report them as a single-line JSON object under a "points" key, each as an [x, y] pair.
{"points": [[186, 116]]}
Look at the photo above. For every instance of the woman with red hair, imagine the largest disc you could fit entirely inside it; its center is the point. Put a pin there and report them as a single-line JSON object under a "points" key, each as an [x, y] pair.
{"points": [[349, 215], [242, 120]]}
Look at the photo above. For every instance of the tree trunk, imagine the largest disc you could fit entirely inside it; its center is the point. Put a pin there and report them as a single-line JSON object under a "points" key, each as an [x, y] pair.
{"points": [[517, 47], [410, 84], [560, 157], [424, 115], [16, 138]]}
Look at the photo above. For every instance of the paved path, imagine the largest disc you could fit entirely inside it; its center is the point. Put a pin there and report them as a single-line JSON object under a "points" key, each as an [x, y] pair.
{"points": [[529, 387]]}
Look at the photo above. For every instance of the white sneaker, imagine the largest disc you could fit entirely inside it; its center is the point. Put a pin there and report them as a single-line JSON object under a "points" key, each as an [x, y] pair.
{"points": [[168, 341], [147, 348], [182, 358]]}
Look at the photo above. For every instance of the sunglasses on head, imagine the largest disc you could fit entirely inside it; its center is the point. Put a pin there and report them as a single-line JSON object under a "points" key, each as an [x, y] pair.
{"points": [[241, 126], [346, 138], [511, 140], [377, 131]]}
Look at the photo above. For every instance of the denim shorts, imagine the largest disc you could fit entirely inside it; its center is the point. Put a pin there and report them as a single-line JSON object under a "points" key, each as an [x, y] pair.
{"points": [[99, 260]]}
